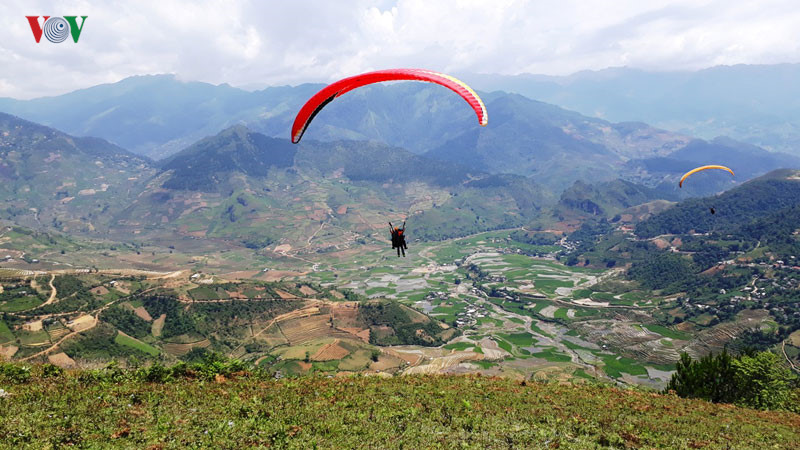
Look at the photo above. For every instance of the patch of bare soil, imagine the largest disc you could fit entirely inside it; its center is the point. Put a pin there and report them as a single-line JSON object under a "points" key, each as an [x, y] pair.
{"points": [[284, 295], [62, 360], [277, 275], [7, 351], [331, 352], [158, 325], [99, 290], [81, 323], [141, 312], [661, 243], [307, 290]]}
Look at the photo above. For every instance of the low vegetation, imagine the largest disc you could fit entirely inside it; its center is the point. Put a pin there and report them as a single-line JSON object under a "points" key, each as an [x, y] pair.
{"points": [[221, 403]]}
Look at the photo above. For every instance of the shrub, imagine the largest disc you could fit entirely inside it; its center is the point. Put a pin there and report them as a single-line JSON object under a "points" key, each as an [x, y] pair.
{"points": [[14, 373], [757, 380]]}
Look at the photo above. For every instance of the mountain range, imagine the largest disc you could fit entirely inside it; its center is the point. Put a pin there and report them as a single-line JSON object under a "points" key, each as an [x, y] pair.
{"points": [[757, 104], [247, 184]]}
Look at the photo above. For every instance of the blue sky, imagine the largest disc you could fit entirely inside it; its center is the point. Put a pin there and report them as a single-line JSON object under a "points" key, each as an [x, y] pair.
{"points": [[254, 44]]}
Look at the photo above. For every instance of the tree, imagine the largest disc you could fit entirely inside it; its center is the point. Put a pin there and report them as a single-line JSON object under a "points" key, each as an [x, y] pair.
{"points": [[763, 381], [755, 379]]}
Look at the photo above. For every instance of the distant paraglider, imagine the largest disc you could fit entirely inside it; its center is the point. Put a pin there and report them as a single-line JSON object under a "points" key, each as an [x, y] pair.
{"points": [[315, 104], [701, 168]]}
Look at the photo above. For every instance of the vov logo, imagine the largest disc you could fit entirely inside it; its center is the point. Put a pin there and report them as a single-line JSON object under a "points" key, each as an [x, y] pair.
{"points": [[56, 29]]}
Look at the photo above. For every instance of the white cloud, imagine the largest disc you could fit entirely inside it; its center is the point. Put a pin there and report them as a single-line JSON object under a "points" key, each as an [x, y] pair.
{"points": [[260, 43]]}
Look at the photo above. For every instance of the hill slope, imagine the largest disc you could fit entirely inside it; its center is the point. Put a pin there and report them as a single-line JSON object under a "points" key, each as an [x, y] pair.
{"points": [[48, 178], [753, 200], [369, 411], [246, 187]]}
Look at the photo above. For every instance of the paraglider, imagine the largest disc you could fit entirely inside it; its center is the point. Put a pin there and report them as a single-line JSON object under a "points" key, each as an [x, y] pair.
{"points": [[399, 238], [315, 104], [701, 168]]}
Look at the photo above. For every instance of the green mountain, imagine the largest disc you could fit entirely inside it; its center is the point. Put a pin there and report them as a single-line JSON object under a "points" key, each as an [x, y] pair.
{"points": [[159, 115], [607, 198], [752, 200], [209, 162], [48, 178], [251, 189]]}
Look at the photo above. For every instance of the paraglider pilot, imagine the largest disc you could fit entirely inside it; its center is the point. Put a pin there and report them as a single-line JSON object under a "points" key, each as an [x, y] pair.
{"points": [[399, 238]]}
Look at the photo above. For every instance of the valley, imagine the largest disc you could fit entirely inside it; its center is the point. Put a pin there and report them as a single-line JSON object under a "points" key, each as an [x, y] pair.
{"points": [[502, 307]]}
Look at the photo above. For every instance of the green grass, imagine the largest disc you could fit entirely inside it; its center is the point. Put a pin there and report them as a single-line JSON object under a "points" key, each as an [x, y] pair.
{"points": [[5, 333], [370, 412], [580, 373], [20, 304], [614, 367], [128, 341], [667, 332], [581, 293], [574, 346], [549, 285], [519, 339], [505, 345], [535, 328], [516, 320], [33, 337], [489, 320], [552, 355], [603, 297], [206, 293], [379, 291], [459, 346], [484, 364]]}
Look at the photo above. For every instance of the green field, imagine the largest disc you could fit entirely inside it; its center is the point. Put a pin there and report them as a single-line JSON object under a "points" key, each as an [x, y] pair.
{"points": [[20, 304], [552, 355], [207, 293], [614, 367], [127, 341], [519, 339], [460, 346], [5, 333]]}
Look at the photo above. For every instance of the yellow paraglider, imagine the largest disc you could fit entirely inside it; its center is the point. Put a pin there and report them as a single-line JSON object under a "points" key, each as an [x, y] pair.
{"points": [[686, 175]]}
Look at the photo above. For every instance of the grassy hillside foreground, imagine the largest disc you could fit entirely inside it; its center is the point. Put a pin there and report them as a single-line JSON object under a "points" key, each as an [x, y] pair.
{"points": [[349, 412]]}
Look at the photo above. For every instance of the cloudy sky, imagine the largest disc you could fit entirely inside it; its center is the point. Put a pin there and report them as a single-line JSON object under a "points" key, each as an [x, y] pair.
{"points": [[253, 44]]}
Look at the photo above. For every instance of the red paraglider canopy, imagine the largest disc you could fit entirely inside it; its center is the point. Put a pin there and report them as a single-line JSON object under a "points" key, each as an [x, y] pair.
{"points": [[315, 104]]}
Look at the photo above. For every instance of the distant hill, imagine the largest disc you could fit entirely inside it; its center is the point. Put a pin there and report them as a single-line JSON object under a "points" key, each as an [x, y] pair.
{"points": [[605, 199], [151, 115], [758, 104], [49, 178], [159, 115], [747, 161], [751, 201], [205, 164], [555, 146]]}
